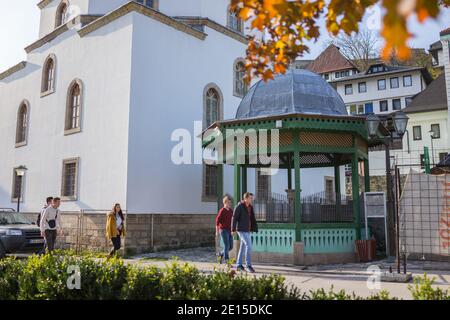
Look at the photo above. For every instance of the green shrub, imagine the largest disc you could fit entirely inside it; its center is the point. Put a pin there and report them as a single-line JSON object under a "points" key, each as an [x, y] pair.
{"points": [[423, 290], [142, 284], [10, 270], [46, 277]]}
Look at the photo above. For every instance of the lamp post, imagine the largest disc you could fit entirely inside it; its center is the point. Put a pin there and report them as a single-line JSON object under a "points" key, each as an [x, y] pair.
{"points": [[397, 124], [20, 172], [431, 132]]}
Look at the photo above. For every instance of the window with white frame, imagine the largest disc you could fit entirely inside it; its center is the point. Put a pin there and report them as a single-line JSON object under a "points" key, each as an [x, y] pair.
{"points": [[362, 87], [435, 131], [407, 81], [394, 83], [382, 84], [348, 89], [17, 186]]}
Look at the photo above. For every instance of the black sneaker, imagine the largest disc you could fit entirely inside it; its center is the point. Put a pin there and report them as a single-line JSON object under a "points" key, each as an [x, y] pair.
{"points": [[240, 268], [250, 269]]}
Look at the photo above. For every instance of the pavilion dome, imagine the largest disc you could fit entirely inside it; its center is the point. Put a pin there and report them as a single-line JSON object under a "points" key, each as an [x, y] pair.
{"points": [[297, 91]]}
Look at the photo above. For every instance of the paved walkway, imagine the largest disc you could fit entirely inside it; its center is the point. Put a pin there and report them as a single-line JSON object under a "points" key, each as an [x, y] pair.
{"points": [[350, 277]]}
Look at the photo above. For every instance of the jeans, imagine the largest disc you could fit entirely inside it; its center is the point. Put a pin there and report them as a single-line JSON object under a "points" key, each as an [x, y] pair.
{"points": [[246, 245], [50, 240], [116, 245], [227, 239]]}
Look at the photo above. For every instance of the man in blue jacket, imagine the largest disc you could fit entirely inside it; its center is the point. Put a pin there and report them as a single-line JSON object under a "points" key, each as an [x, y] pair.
{"points": [[244, 222]]}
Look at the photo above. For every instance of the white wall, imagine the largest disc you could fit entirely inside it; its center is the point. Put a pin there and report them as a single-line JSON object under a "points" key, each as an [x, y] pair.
{"points": [[101, 146], [168, 80]]}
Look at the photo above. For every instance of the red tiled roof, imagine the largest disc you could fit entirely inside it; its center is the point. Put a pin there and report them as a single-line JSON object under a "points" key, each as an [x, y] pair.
{"points": [[331, 59], [445, 32]]}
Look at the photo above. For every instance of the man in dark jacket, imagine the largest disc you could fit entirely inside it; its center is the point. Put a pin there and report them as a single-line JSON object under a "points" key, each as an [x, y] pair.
{"points": [[244, 222]]}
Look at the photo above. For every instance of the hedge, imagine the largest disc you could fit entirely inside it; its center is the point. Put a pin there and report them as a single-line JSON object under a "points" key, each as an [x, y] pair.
{"points": [[45, 277]]}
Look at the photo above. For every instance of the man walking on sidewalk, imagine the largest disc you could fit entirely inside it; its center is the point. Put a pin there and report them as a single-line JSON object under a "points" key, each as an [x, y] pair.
{"points": [[48, 203], [51, 224], [244, 222]]}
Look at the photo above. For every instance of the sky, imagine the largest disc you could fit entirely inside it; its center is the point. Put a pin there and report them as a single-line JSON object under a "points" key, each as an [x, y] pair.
{"points": [[19, 27]]}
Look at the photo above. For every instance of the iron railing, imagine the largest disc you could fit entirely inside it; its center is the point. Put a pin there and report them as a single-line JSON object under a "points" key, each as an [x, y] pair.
{"points": [[316, 208]]}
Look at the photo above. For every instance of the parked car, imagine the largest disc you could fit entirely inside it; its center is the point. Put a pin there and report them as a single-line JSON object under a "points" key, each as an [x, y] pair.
{"points": [[18, 234]]}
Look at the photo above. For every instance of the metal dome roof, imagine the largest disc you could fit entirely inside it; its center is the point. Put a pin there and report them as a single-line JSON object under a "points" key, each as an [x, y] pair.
{"points": [[297, 91]]}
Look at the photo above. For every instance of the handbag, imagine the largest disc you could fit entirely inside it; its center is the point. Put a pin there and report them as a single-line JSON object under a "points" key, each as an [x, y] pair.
{"points": [[52, 223]]}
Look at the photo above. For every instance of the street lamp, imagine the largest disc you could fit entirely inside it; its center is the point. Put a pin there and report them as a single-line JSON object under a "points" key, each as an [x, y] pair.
{"points": [[20, 172], [394, 123]]}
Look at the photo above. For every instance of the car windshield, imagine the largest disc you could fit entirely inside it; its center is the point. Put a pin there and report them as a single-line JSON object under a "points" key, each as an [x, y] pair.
{"points": [[12, 218]]}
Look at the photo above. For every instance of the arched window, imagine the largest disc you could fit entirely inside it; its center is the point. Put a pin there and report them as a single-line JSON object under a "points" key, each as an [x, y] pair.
{"points": [[73, 108], [212, 106], [61, 14], [240, 87], [22, 124], [234, 22], [212, 112], [48, 75]]}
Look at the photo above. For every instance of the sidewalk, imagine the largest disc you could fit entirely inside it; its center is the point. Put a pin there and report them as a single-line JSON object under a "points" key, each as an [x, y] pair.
{"points": [[350, 277]]}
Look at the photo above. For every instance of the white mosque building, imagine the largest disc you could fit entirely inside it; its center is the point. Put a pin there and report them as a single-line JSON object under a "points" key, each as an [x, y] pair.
{"points": [[94, 111]]}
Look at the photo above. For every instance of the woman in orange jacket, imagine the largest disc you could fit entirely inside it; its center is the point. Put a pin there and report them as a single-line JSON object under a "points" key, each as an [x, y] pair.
{"points": [[115, 227]]}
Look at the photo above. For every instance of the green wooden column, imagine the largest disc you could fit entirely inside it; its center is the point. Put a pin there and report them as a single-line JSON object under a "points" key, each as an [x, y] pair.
{"points": [[337, 187], [219, 186], [366, 176], [244, 179], [237, 175], [355, 195], [289, 172], [297, 204]]}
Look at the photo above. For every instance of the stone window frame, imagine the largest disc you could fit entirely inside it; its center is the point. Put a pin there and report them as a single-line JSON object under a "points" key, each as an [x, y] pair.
{"points": [[399, 104], [13, 187], [19, 125], [45, 90], [236, 92], [68, 114], [231, 15], [76, 161], [59, 21], [220, 114]]}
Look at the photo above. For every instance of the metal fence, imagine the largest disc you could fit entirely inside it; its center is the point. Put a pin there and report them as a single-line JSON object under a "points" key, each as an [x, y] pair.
{"points": [[316, 208]]}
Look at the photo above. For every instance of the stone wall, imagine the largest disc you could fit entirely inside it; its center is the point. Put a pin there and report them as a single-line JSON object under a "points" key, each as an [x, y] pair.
{"points": [[145, 232]]}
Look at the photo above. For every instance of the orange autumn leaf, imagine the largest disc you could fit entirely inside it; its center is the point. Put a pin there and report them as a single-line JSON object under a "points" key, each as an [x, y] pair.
{"points": [[287, 25]]}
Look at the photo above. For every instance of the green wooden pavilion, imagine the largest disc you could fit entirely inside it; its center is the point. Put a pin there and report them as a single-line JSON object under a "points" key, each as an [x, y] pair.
{"points": [[298, 121]]}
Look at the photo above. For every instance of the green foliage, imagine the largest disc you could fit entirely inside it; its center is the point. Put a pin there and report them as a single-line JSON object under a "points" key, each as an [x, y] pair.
{"points": [[45, 278], [10, 269], [423, 290]]}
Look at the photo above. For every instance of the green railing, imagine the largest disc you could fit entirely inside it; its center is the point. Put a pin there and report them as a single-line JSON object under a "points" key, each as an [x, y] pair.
{"points": [[328, 240], [274, 240]]}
